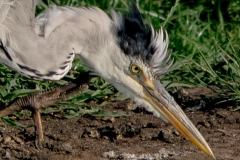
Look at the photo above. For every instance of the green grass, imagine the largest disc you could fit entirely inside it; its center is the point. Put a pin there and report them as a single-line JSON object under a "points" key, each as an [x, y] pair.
{"points": [[204, 37]]}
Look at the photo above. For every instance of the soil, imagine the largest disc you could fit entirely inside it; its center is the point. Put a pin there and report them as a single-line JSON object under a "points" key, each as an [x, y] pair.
{"points": [[139, 135]]}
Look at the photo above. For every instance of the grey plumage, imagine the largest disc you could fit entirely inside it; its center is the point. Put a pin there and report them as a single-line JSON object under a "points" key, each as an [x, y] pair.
{"points": [[23, 49]]}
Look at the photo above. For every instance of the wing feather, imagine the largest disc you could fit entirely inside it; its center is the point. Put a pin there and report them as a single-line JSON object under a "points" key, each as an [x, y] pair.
{"points": [[4, 8]]}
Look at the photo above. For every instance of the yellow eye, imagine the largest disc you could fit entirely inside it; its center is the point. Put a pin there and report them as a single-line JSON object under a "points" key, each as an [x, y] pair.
{"points": [[135, 69]]}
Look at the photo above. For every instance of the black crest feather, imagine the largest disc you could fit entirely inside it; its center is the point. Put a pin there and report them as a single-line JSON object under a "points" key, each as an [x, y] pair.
{"points": [[134, 38]]}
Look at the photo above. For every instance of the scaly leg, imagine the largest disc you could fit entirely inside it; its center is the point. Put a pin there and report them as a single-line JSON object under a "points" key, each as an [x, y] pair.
{"points": [[37, 101]]}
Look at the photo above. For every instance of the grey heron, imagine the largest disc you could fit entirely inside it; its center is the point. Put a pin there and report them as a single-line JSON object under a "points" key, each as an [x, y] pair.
{"points": [[122, 50]]}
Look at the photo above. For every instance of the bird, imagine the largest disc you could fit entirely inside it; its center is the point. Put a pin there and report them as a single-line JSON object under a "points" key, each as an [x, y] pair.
{"points": [[120, 48]]}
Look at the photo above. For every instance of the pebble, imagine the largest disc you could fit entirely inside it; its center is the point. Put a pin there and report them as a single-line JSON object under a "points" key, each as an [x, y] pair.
{"points": [[166, 136], [110, 154], [7, 139], [2, 130], [108, 119], [67, 147], [221, 114], [162, 154], [18, 140], [7, 155], [94, 134]]}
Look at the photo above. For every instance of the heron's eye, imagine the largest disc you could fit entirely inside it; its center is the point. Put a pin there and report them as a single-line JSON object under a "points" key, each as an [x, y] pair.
{"points": [[135, 69]]}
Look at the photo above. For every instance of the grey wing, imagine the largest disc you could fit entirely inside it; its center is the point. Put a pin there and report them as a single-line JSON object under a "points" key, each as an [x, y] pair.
{"points": [[7, 25], [22, 49], [4, 8]]}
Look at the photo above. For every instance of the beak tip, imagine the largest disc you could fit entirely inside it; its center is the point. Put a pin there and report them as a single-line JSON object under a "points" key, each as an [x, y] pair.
{"points": [[212, 155]]}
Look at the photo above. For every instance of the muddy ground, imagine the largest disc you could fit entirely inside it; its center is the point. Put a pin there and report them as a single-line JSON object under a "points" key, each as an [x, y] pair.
{"points": [[140, 135]]}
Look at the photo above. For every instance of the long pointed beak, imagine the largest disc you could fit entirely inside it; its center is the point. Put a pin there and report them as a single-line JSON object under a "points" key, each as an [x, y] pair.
{"points": [[163, 104]]}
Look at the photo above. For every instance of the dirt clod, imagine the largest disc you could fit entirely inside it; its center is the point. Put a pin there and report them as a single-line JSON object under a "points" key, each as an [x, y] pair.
{"points": [[168, 135]]}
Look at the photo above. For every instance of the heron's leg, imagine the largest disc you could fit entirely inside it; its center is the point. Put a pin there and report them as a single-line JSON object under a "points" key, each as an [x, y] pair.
{"points": [[63, 95], [43, 99], [54, 95], [38, 128], [37, 101], [35, 106]]}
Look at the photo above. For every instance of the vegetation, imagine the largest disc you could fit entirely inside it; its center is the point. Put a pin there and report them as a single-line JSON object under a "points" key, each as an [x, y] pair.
{"points": [[204, 39]]}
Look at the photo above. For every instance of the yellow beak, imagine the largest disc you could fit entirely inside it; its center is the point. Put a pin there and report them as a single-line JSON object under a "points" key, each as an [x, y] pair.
{"points": [[162, 103]]}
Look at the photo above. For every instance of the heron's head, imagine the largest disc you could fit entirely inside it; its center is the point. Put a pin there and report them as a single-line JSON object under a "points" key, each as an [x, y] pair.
{"points": [[133, 60]]}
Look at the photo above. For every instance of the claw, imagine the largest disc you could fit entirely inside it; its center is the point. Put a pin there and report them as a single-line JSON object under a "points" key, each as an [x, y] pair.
{"points": [[36, 142]]}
